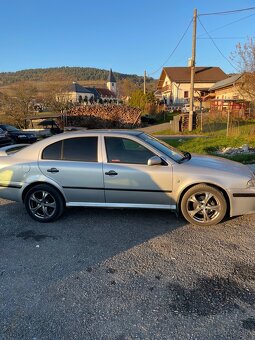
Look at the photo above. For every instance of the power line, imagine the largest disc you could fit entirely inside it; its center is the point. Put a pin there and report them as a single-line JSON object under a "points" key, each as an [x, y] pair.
{"points": [[222, 38], [228, 24], [229, 12], [151, 73], [217, 46], [206, 32]]}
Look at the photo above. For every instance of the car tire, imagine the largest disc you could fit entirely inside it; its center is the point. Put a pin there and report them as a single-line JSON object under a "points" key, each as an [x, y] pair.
{"points": [[44, 203], [203, 205]]}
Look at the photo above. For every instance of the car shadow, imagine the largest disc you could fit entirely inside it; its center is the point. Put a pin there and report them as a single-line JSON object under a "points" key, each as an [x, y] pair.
{"points": [[82, 238]]}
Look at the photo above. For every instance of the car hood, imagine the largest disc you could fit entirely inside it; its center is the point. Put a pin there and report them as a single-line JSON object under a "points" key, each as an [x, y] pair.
{"points": [[218, 164]]}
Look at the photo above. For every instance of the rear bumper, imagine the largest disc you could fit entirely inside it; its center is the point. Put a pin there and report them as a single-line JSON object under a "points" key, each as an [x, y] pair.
{"points": [[11, 192]]}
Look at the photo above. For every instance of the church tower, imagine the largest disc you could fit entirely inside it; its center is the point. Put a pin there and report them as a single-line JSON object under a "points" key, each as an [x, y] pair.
{"points": [[111, 82]]}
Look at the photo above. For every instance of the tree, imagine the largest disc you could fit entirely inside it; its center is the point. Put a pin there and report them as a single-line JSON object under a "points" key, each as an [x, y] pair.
{"points": [[16, 108], [144, 101], [126, 87], [54, 98], [244, 56]]}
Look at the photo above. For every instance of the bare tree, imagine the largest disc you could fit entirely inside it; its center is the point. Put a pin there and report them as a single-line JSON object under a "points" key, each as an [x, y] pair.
{"points": [[126, 87], [53, 97], [16, 108], [244, 56]]}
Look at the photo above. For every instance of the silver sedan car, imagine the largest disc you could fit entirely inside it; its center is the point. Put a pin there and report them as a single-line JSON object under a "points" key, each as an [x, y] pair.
{"points": [[125, 168]]}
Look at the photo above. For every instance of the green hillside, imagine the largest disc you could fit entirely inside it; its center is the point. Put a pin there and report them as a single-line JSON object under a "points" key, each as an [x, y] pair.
{"points": [[64, 74]]}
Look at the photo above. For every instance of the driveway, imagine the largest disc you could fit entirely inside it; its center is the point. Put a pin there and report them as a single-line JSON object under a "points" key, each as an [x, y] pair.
{"points": [[156, 128], [125, 274]]}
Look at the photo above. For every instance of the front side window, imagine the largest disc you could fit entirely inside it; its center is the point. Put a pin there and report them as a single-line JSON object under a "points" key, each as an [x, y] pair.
{"points": [[80, 149], [123, 150], [163, 147]]}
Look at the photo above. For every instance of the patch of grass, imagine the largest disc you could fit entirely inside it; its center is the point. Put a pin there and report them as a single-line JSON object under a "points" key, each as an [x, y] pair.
{"points": [[210, 145], [242, 158]]}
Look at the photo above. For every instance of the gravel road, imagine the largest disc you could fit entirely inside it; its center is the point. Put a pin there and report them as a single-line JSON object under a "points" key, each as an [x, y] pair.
{"points": [[125, 274]]}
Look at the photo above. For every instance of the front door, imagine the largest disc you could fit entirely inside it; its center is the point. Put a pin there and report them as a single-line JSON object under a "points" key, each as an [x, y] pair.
{"points": [[129, 180]]}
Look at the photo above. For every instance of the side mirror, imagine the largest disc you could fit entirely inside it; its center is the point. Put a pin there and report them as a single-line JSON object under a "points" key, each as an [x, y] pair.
{"points": [[155, 160]]}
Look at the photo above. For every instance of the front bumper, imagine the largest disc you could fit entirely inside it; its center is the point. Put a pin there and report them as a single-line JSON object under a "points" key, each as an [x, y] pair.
{"points": [[242, 201]]}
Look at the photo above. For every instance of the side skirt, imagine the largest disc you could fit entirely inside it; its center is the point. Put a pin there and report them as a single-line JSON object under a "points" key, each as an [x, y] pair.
{"points": [[121, 205]]}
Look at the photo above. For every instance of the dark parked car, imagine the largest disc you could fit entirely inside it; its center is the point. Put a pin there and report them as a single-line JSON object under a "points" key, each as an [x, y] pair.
{"points": [[10, 149], [18, 136], [4, 139]]}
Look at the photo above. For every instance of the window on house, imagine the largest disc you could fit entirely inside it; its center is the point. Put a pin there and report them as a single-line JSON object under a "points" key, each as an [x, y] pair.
{"points": [[186, 94]]}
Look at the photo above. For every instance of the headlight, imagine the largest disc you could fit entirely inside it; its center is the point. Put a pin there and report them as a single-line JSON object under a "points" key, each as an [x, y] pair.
{"points": [[251, 183]]}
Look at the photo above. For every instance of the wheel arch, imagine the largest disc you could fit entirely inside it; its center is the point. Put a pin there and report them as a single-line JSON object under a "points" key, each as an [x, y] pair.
{"points": [[224, 192], [31, 185]]}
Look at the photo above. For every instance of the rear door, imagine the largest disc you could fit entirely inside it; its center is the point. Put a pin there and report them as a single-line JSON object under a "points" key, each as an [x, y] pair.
{"points": [[75, 164]]}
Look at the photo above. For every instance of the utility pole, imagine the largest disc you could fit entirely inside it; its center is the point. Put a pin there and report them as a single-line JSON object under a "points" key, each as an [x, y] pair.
{"points": [[144, 83], [192, 70]]}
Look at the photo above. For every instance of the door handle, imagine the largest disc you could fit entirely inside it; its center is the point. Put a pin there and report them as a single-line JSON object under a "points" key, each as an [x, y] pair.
{"points": [[53, 170], [111, 173]]}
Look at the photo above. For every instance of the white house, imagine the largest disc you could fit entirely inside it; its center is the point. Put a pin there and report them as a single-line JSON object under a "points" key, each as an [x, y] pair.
{"points": [[174, 83]]}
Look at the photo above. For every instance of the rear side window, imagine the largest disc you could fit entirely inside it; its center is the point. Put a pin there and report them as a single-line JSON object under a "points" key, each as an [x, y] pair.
{"points": [[81, 149], [52, 151]]}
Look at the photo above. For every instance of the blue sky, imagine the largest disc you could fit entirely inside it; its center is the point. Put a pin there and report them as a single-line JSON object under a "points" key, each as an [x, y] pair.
{"points": [[127, 36]]}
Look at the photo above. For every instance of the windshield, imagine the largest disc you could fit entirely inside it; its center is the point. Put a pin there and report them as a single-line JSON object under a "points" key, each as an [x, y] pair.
{"points": [[162, 146], [10, 128]]}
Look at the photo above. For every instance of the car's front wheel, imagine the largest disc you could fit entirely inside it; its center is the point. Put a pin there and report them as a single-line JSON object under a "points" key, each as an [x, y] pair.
{"points": [[44, 203], [203, 205]]}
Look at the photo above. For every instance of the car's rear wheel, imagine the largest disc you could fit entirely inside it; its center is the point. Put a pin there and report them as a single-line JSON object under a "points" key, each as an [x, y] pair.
{"points": [[203, 205], [44, 203]]}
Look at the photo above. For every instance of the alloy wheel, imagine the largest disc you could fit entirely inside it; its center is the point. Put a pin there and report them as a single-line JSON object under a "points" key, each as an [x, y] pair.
{"points": [[203, 207], [42, 204]]}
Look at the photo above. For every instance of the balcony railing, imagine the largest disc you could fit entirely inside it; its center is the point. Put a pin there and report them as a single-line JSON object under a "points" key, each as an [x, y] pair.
{"points": [[166, 88]]}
